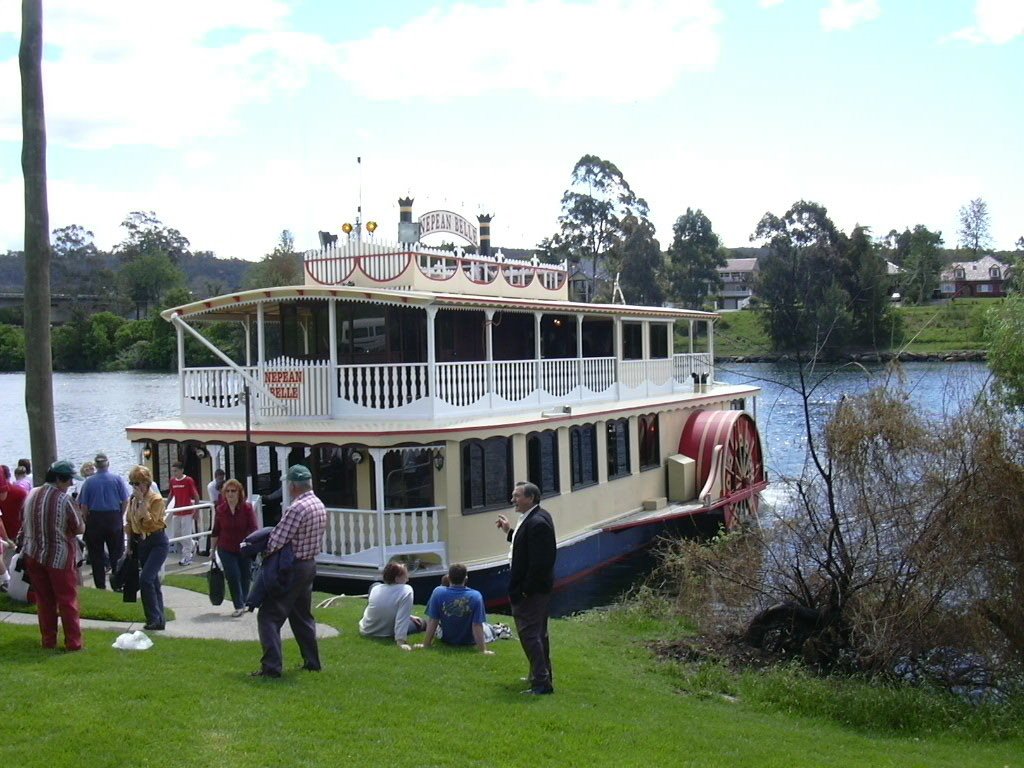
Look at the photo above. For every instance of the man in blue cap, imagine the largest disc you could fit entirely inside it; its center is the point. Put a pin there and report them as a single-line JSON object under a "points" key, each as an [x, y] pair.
{"points": [[301, 529], [102, 500]]}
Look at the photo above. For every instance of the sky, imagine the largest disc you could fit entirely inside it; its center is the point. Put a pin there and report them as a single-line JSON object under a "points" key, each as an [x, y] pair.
{"points": [[233, 120]]}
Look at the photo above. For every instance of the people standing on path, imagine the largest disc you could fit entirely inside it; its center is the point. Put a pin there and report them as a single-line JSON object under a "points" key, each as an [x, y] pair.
{"points": [[102, 500], [12, 501], [458, 611], [302, 528], [531, 580], [388, 611], [185, 494], [233, 520], [47, 538], [147, 540], [22, 477], [214, 487]]}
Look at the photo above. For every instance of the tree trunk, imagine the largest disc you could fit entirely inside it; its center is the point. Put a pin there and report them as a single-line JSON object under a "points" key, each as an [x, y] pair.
{"points": [[38, 357]]}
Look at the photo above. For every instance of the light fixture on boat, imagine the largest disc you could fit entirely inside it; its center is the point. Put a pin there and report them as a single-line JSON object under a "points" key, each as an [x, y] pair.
{"points": [[439, 460], [147, 452], [346, 228], [371, 227], [561, 410], [356, 457]]}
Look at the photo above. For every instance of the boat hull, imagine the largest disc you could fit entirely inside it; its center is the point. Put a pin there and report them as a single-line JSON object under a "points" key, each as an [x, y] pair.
{"points": [[577, 559]]}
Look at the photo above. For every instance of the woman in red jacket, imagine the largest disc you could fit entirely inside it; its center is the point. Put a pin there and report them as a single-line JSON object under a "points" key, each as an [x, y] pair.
{"points": [[234, 519]]}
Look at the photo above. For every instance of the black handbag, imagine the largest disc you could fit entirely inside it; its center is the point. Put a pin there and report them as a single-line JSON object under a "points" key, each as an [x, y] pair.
{"points": [[125, 578], [215, 579]]}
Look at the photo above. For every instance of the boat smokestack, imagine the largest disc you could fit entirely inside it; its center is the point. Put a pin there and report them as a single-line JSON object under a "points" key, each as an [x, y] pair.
{"points": [[408, 230], [485, 233]]}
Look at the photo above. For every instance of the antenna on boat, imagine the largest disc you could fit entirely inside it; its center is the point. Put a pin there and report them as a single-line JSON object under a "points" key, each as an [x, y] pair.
{"points": [[359, 208], [617, 291]]}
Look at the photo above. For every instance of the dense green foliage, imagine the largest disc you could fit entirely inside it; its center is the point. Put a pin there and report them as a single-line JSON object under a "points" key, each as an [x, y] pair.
{"points": [[694, 256], [1005, 330], [821, 291]]}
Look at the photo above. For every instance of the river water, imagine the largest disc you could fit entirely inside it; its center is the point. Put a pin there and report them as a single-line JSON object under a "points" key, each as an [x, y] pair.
{"points": [[93, 409]]}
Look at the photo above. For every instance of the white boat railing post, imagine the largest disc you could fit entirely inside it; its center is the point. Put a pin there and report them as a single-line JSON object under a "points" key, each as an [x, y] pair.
{"points": [[489, 343], [579, 356], [378, 480], [432, 361]]}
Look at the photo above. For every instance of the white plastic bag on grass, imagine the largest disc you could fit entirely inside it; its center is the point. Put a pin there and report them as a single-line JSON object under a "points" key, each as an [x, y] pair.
{"points": [[133, 641]]}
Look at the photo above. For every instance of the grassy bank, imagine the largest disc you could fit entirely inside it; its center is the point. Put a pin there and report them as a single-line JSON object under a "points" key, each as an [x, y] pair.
{"points": [[932, 329], [190, 702], [93, 604]]}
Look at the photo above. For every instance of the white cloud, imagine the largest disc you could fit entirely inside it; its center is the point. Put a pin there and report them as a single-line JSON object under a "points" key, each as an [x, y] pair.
{"points": [[995, 21], [124, 72], [610, 51], [846, 14]]}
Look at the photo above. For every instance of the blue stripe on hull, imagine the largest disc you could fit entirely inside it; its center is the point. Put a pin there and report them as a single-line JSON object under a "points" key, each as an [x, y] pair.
{"points": [[575, 561]]}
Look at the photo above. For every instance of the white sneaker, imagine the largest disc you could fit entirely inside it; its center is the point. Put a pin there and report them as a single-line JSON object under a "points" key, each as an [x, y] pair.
{"points": [[185, 561], [237, 612]]}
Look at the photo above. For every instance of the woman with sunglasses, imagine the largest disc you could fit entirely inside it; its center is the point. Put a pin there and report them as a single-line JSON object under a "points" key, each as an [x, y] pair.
{"points": [[147, 540], [234, 519]]}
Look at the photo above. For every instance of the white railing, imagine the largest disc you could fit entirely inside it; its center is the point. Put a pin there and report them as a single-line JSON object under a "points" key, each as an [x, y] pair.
{"points": [[366, 536], [309, 388]]}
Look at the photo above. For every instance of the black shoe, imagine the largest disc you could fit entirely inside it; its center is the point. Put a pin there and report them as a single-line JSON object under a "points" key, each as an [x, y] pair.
{"points": [[264, 673], [541, 690], [153, 627], [309, 668]]}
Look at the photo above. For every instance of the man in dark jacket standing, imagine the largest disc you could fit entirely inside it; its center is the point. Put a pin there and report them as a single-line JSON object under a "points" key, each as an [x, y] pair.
{"points": [[531, 581]]}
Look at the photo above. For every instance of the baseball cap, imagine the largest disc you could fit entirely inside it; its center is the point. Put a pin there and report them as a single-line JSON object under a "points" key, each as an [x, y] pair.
{"points": [[298, 473], [101, 458], [64, 467]]}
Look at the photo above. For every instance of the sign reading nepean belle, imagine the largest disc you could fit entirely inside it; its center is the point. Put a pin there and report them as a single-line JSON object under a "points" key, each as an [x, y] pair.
{"points": [[446, 221]]}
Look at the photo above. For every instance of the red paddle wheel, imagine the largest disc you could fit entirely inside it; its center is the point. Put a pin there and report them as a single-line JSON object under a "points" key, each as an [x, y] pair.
{"points": [[730, 470]]}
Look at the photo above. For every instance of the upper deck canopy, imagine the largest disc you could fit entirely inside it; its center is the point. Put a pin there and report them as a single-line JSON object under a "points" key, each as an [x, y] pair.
{"points": [[239, 305]]}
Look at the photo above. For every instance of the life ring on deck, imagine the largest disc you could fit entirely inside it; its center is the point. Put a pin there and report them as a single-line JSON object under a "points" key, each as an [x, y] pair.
{"points": [[726, 447]]}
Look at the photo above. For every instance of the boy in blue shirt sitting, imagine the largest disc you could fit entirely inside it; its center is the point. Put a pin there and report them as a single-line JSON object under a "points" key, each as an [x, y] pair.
{"points": [[459, 611]]}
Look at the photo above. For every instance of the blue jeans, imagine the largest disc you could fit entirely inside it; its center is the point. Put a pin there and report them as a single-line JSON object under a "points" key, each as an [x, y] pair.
{"points": [[152, 554], [238, 575]]}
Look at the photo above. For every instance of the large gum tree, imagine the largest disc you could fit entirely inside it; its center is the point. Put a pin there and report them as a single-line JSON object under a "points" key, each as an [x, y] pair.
{"points": [[38, 359]]}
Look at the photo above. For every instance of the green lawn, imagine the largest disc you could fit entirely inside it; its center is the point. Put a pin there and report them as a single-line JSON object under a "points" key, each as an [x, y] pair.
{"points": [[191, 703], [94, 604], [931, 329]]}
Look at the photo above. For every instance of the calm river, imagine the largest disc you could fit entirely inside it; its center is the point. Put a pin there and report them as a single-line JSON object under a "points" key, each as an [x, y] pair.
{"points": [[93, 409]]}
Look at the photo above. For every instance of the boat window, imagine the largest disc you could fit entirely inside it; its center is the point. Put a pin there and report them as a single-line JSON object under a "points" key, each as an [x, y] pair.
{"points": [[618, 448], [542, 461], [632, 341], [648, 441], [459, 336], [557, 337], [408, 479], [659, 341], [583, 448], [486, 474], [304, 330], [598, 337], [512, 335], [335, 475]]}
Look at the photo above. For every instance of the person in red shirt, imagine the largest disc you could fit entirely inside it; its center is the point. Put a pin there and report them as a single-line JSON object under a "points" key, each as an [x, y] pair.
{"points": [[234, 519], [12, 499], [184, 494]]}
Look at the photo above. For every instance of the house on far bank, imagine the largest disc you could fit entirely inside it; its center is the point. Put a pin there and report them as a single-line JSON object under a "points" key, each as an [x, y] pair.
{"points": [[739, 277], [984, 278]]}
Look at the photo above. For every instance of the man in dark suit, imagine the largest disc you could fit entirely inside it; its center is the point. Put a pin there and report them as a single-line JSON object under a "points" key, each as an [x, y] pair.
{"points": [[531, 581]]}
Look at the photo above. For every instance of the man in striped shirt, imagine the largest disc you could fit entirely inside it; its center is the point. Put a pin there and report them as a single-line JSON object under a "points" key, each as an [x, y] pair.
{"points": [[49, 525], [302, 529]]}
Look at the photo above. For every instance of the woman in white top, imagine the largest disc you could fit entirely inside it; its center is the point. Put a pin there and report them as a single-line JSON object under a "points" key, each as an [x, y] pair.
{"points": [[389, 609]]}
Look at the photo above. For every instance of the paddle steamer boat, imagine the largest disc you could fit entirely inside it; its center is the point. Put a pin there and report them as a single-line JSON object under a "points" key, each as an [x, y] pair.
{"points": [[419, 384]]}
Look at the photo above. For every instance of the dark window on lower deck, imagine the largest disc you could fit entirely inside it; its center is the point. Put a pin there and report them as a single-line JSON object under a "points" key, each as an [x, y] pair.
{"points": [[486, 474], [648, 441], [542, 461], [618, 448], [583, 455]]}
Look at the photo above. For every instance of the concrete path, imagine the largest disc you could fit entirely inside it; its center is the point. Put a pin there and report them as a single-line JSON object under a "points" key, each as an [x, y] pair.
{"points": [[194, 616]]}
